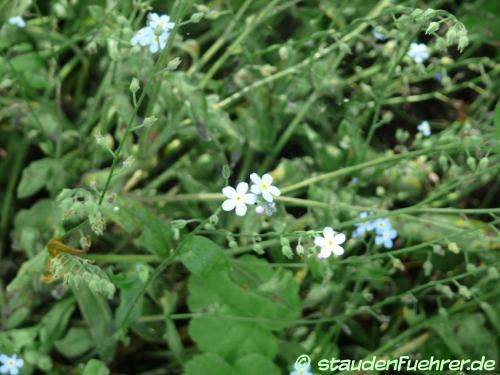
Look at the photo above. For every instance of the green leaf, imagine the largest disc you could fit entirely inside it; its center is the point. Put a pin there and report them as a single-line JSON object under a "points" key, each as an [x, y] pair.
{"points": [[76, 342], [29, 270], [231, 338], [54, 323], [95, 367], [97, 314], [256, 364], [201, 255], [208, 364], [37, 175]]}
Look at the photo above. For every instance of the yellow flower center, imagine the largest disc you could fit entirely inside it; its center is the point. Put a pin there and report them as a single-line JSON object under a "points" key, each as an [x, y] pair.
{"points": [[264, 186], [238, 198], [10, 363], [329, 242]]}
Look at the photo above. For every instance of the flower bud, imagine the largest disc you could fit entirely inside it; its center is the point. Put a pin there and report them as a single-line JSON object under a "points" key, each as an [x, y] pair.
{"points": [[134, 85]]}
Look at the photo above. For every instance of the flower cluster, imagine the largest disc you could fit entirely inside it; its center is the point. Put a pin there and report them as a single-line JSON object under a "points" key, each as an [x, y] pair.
{"points": [[385, 233], [17, 21], [10, 365], [262, 193], [424, 128], [418, 52], [155, 34]]}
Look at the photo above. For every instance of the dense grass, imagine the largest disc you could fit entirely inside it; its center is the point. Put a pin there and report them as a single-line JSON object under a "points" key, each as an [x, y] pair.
{"points": [[117, 254]]}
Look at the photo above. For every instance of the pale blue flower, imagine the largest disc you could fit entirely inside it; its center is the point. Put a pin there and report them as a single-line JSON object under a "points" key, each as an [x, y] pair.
{"points": [[438, 77], [237, 199], [158, 42], [269, 208], [424, 128], [382, 225], [143, 37], [418, 52], [10, 365], [17, 21], [386, 238], [297, 370], [363, 227], [161, 22], [378, 36]]}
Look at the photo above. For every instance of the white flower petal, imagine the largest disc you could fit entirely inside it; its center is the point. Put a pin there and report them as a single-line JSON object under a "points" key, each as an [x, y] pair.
{"points": [[153, 47], [267, 196], [255, 178], [339, 239], [328, 233], [242, 188], [274, 191], [267, 178], [324, 253], [241, 209], [229, 204], [249, 198], [256, 189], [337, 250], [320, 241], [229, 192]]}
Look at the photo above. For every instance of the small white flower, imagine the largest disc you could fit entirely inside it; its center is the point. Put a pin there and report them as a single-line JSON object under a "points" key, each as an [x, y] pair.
{"points": [[158, 42], [143, 37], [263, 185], [17, 21], [238, 198], [10, 365], [163, 22], [330, 243], [418, 52], [424, 128]]}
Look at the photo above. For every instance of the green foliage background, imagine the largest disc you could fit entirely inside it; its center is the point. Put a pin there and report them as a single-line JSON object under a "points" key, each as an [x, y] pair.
{"points": [[298, 88]]}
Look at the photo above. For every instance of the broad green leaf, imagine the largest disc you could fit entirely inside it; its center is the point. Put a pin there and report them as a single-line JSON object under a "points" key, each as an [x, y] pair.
{"points": [[76, 342], [54, 323], [95, 367], [208, 364], [231, 338], [201, 255], [97, 314], [256, 364], [37, 175]]}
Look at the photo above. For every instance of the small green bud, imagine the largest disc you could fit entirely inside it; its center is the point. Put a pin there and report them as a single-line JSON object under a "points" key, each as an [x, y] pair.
{"points": [[149, 121], [471, 163], [464, 291], [433, 27], [174, 64], [493, 273], [226, 171], [257, 247], [299, 249], [443, 162], [427, 268], [451, 36], [446, 290], [463, 41], [287, 251], [197, 17], [453, 247], [214, 219], [440, 44], [284, 241], [483, 163], [134, 85], [178, 224]]}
